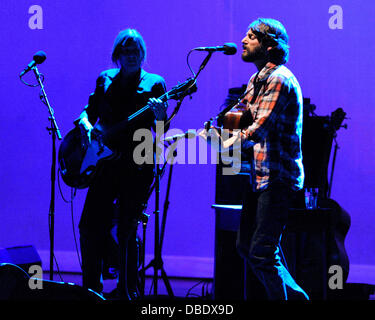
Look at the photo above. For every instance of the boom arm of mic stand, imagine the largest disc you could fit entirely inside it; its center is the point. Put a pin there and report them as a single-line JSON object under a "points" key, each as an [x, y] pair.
{"points": [[46, 102], [204, 63], [193, 80]]}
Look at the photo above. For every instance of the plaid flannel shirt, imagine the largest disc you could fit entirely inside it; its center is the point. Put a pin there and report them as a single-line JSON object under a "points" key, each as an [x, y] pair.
{"points": [[276, 104]]}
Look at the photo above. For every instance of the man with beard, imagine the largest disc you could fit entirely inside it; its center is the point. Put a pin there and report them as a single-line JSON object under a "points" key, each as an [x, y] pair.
{"points": [[273, 140], [276, 104]]}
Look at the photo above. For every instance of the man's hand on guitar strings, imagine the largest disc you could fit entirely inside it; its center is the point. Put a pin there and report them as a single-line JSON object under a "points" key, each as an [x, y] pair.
{"points": [[221, 141]]}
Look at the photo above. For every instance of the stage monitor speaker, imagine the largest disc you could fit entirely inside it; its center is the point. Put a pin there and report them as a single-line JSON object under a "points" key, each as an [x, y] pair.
{"points": [[22, 256], [15, 286]]}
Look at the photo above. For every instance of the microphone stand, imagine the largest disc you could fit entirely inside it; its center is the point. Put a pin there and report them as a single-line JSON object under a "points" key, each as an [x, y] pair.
{"points": [[230, 106], [157, 262], [54, 132]]}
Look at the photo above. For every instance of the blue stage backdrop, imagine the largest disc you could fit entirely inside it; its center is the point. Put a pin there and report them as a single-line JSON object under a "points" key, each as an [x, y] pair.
{"points": [[331, 54]]}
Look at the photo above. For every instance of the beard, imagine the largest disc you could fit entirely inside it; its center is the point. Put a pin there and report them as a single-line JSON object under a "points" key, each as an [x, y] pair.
{"points": [[258, 54]]}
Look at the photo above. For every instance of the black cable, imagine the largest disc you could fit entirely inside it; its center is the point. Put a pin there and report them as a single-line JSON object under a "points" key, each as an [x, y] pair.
{"points": [[187, 61], [73, 228], [73, 193], [32, 85], [54, 257], [195, 285], [58, 269], [62, 196]]}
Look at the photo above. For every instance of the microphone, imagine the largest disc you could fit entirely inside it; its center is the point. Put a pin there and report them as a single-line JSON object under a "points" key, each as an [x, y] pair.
{"points": [[227, 48], [38, 58], [188, 134]]}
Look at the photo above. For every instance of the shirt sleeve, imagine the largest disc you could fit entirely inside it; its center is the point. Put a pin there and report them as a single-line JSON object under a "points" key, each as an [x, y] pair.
{"points": [[91, 109], [273, 102], [159, 88]]}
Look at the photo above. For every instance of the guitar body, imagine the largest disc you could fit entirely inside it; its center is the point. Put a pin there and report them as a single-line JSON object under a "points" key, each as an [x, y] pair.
{"points": [[78, 160], [339, 227]]}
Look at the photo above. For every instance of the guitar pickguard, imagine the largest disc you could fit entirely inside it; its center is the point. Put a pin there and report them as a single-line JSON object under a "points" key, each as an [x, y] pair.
{"points": [[95, 153]]}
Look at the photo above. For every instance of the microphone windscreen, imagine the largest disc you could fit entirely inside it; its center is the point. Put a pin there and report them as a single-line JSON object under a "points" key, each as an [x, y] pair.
{"points": [[39, 57], [230, 48]]}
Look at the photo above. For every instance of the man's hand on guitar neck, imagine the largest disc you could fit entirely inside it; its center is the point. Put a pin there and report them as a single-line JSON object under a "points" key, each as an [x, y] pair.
{"points": [[86, 126]]}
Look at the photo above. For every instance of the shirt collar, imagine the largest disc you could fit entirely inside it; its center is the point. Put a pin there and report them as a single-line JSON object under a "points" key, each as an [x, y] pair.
{"points": [[266, 71]]}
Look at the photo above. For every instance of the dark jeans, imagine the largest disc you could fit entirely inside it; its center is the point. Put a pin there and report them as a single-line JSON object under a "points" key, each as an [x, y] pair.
{"points": [[263, 219], [129, 187]]}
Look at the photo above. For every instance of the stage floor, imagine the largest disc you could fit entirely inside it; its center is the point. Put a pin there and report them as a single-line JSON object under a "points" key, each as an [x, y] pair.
{"points": [[188, 288], [181, 287]]}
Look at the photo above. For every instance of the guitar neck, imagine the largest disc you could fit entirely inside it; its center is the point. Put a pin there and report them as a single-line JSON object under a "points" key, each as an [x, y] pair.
{"points": [[163, 98], [177, 92]]}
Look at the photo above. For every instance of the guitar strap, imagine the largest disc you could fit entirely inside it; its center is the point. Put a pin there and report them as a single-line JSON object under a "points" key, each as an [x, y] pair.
{"points": [[257, 87], [247, 119]]}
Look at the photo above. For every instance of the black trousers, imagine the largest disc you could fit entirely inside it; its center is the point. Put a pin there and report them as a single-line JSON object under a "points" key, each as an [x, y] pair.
{"points": [[129, 187], [263, 219]]}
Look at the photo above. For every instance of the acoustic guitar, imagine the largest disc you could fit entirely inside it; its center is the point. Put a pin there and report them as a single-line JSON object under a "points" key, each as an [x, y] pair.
{"points": [[79, 160]]}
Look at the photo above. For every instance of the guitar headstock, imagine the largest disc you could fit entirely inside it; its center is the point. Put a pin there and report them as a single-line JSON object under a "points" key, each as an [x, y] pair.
{"points": [[337, 117]]}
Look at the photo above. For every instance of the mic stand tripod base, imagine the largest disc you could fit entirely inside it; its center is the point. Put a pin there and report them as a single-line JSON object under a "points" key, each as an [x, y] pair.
{"points": [[157, 262]]}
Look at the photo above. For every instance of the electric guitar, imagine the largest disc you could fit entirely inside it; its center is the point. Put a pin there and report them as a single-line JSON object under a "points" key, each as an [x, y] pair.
{"points": [[78, 159]]}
